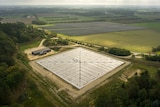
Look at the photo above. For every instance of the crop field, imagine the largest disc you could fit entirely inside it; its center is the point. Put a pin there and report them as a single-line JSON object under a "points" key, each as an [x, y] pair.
{"points": [[80, 66], [76, 29], [138, 40]]}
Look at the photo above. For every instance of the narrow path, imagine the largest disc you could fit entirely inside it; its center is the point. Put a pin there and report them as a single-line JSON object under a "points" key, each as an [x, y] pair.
{"points": [[65, 46], [41, 44]]}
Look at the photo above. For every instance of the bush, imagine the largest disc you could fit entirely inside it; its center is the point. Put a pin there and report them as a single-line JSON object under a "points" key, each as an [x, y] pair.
{"points": [[152, 58], [56, 48], [156, 49], [119, 51], [37, 22]]}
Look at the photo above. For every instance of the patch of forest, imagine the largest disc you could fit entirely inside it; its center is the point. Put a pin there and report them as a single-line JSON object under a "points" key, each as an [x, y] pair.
{"points": [[12, 76], [12, 71]]}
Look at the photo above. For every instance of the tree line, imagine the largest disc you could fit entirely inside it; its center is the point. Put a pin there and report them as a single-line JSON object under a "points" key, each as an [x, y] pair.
{"points": [[153, 58], [21, 33]]}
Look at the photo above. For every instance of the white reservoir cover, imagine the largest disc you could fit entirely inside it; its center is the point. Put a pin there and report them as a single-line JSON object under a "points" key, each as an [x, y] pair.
{"points": [[79, 66]]}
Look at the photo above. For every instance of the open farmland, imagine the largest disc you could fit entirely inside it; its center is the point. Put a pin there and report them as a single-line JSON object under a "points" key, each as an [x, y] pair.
{"points": [[76, 29], [138, 40]]}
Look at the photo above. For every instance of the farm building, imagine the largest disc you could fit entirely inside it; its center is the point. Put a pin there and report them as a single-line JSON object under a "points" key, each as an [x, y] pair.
{"points": [[41, 51], [79, 67]]}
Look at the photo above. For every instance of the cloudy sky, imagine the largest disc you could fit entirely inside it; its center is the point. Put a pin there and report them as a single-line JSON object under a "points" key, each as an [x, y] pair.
{"points": [[62, 2]]}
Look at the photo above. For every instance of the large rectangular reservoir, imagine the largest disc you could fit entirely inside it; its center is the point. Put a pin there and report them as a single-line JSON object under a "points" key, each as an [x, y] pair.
{"points": [[79, 66]]}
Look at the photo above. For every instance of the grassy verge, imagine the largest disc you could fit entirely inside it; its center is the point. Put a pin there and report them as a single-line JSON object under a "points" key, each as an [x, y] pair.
{"points": [[152, 70]]}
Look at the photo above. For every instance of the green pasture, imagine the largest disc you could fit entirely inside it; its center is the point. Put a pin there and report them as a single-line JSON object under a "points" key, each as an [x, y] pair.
{"points": [[137, 40], [152, 25]]}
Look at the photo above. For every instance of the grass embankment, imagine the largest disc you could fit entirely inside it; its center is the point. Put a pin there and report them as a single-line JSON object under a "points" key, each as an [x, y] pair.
{"points": [[138, 40]]}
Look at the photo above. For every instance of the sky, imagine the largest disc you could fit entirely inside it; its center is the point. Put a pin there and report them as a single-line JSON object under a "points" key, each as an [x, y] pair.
{"points": [[80, 2]]}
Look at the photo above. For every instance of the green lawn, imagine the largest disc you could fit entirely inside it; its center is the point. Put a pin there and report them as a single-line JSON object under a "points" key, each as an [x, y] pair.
{"points": [[31, 44], [138, 40]]}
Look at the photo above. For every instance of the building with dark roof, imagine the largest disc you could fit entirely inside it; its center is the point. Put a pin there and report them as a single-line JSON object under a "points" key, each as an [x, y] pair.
{"points": [[41, 51]]}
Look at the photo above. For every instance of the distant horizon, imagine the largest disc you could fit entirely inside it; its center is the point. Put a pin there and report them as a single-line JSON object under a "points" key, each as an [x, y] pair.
{"points": [[79, 5], [82, 2]]}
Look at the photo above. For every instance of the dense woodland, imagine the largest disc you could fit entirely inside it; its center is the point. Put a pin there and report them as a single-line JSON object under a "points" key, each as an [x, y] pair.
{"points": [[140, 91], [12, 76], [12, 72]]}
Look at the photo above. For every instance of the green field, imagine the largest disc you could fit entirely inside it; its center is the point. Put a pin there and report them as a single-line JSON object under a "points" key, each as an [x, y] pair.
{"points": [[138, 40], [152, 25]]}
